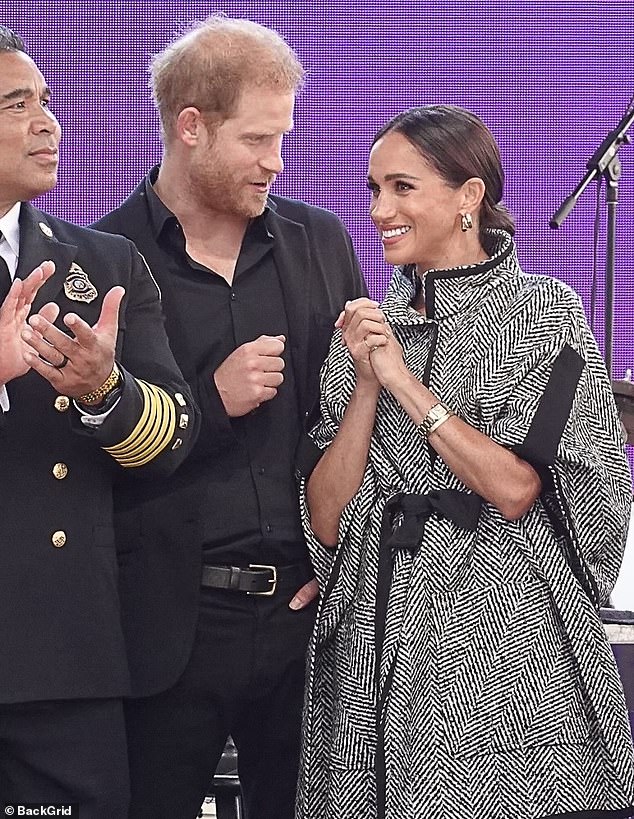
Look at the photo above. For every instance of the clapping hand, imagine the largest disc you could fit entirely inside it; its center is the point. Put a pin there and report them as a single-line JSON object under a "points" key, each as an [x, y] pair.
{"points": [[14, 312], [78, 364]]}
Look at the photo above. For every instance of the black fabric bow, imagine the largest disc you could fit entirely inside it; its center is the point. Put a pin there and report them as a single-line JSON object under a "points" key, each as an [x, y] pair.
{"points": [[463, 508]]}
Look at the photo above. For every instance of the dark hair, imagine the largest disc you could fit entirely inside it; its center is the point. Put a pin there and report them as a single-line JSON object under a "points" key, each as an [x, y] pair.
{"points": [[459, 146], [9, 41]]}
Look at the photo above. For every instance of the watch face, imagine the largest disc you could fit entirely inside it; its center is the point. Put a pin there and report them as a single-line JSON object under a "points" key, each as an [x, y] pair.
{"points": [[437, 413]]}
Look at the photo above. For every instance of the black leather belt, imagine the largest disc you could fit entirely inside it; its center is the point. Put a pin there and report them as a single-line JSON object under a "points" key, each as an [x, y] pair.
{"points": [[256, 579]]}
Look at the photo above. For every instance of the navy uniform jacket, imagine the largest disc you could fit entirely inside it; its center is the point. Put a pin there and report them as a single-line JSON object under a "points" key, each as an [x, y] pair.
{"points": [[160, 539], [60, 623]]}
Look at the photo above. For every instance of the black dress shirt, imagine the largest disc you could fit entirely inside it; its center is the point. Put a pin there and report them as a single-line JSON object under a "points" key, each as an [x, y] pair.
{"points": [[251, 496]]}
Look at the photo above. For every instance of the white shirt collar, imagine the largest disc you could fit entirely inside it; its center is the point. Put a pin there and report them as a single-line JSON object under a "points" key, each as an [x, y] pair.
{"points": [[10, 244], [10, 227], [9, 248]]}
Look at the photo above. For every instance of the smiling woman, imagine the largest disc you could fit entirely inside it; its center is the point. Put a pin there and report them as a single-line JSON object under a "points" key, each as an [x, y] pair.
{"points": [[418, 213], [474, 483], [434, 199]]}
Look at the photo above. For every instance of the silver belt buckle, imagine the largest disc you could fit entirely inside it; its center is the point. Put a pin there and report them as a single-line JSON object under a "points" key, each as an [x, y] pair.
{"points": [[272, 581]]}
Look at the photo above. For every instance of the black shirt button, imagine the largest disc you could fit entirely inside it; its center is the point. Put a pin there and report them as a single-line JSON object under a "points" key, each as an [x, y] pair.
{"points": [[269, 528], [261, 471], [233, 296]]}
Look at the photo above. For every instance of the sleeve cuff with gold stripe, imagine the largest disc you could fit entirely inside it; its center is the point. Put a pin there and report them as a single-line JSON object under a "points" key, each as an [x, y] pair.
{"points": [[153, 432]]}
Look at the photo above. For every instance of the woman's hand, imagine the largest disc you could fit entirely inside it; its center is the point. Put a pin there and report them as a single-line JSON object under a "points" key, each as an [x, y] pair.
{"points": [[364, 330], [386, 360], [377, 354]]}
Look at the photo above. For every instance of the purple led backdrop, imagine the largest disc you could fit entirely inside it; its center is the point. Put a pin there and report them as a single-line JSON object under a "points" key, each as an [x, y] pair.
{"points": [[549, 77]]}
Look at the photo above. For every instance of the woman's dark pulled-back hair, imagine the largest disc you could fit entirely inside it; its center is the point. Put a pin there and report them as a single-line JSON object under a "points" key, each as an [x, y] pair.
{"points": [[459, 146], [9, 41]]}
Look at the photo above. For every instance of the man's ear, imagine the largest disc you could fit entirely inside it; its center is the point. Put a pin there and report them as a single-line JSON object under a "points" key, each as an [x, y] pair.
{"points": [[188, 125], [473, 191]]}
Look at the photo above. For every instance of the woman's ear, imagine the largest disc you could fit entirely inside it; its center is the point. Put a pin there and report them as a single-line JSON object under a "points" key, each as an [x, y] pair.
{"points": [[473, 191]]}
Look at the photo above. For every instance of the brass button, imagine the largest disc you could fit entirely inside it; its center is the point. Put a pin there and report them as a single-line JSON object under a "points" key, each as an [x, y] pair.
{"points": [[58, 539], [62, 403], [60, 471], [177, 443], [183, 421]]}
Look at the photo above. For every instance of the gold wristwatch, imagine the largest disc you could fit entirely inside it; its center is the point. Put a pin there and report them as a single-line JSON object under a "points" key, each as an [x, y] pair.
{"points": [[98, 395], [435, 417]]}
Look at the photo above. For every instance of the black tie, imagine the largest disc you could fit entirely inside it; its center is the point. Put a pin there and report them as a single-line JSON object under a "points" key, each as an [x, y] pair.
{"points": [[5, 277]]}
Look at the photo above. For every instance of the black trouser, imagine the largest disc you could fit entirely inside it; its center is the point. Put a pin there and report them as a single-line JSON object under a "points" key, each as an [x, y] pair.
{"points": [[68, 751], [245, 678]]}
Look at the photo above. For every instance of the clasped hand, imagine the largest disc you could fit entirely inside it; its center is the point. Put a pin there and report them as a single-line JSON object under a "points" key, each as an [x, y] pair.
{"points": [[370, 341]]}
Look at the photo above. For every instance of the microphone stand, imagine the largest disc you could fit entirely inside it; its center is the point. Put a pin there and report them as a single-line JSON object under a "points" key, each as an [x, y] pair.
{"points": [[603, 162]]}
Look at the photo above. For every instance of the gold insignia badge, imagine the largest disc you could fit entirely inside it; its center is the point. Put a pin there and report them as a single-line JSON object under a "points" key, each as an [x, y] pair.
{"points": [[77, 285], [45, 229]]}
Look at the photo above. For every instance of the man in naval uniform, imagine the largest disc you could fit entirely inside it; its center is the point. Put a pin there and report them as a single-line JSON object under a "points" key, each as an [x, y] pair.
{"points": [[90, 393]]}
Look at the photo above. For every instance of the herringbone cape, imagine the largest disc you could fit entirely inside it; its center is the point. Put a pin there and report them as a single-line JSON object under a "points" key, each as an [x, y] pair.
{"points": [[500, 695]]}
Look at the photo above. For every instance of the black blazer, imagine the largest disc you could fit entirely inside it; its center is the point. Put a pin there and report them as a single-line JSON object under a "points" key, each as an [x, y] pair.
{"points": [[60, 629], [159, 531]]}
